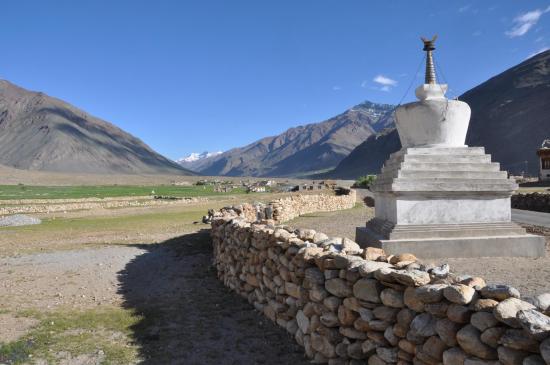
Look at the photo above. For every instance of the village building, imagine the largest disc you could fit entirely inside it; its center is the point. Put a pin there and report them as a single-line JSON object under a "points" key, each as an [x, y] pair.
{"points": [[320, 185], [256, 189], [544, 156]]}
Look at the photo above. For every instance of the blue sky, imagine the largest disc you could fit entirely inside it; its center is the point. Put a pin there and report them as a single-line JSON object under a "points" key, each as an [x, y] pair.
{"points": [[188, 76]]}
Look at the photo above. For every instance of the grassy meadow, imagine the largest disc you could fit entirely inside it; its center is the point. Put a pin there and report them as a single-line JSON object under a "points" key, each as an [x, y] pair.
{"points": [[14, 192]]}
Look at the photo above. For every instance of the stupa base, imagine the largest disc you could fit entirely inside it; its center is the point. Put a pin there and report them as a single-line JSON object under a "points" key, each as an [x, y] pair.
{"points": [[475, 240]]}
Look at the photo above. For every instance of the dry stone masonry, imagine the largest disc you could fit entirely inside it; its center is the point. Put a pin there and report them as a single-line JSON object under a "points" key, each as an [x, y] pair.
{"points": [[290, 207], [37, 206], [347, 305], [285, 209]]}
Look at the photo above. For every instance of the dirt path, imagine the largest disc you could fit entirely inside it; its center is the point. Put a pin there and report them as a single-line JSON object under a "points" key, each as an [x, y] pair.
{"points": [[190, 317], [77, 279], [187, 315]]}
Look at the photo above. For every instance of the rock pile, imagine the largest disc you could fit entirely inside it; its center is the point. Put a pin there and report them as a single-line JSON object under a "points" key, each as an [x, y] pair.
{"points": [[347, 305], [532, 201]]}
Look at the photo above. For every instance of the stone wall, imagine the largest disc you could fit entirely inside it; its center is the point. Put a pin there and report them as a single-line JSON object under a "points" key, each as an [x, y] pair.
{"points": [[290, 207], [285, 209], [62, 205], [346, 305], [533, 201]]}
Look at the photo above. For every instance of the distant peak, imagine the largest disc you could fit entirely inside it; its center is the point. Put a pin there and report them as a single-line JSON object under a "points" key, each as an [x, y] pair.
{"points": [[370, 104], [195, 156]]}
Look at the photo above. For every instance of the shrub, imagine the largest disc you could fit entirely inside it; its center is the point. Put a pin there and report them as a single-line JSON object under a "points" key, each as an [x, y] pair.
{"points": [[364, 181]]}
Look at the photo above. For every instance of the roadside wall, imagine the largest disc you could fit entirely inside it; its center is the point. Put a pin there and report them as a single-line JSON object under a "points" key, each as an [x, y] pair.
{"points": [[346, 305], [533, 201]]}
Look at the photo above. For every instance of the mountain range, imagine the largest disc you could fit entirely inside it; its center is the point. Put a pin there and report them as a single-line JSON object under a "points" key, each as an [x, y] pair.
{"points": [[38, 132], [510, 118], [194, 160], [303, 150]]}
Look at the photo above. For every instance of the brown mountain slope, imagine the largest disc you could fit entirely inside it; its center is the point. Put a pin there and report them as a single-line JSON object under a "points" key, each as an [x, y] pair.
{"points": [[510, 118], [38, 132], [304, 149]]}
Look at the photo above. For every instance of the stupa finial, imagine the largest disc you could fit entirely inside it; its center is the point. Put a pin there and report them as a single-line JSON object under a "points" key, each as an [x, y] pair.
{"points": [[430, 69]]}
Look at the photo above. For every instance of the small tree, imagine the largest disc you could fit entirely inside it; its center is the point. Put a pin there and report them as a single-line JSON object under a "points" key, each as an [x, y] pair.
{"points": [[364, 181]]}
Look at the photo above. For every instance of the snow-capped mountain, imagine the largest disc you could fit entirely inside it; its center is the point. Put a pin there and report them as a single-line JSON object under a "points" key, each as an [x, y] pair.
{"points": [[194, 160]]}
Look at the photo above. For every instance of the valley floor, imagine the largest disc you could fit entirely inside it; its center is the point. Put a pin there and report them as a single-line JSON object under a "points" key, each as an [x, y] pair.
{"points": [[126, 286], [135, 285]]}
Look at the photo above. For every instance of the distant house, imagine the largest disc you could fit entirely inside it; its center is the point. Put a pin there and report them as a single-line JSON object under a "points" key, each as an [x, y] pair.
{"points": [[319, 185], [256, 189], [267, 183], [314, 186], [544, 155]]}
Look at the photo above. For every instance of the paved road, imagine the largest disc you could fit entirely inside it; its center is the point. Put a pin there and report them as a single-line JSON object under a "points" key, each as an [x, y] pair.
{"points": [[529, 217]]}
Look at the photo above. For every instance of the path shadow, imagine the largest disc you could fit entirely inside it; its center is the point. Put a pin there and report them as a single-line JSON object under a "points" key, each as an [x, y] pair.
{"points": [[189, 317]]}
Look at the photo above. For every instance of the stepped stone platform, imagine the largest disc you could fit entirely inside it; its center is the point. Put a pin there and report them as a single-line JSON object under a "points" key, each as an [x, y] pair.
{"points": [[446, 202]]}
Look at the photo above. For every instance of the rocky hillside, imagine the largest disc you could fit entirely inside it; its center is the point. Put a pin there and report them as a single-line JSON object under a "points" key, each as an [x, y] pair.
{"points": [[510, 118], [304, 149], [511, 114], [38, 132]]}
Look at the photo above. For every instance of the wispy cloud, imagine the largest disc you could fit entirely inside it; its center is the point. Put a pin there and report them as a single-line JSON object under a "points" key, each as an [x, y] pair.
{"points": [[464, 8], [524, 22], [385, 82], [477, 33], [336, 88]]}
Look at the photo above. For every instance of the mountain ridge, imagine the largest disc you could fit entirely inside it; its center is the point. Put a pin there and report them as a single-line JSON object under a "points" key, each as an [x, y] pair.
{"points": [[40, 132], [302, 149]]}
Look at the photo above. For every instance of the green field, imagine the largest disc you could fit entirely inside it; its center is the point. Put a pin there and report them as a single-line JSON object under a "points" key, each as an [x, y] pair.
{"points": [[11, 192]]}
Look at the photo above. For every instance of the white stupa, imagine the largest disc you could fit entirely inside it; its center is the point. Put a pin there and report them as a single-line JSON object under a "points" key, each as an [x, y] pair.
{"points": [[437, 197]]}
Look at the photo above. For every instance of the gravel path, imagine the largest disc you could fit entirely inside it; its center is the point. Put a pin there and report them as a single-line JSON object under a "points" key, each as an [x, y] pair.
{"points": [[530, 276], [77, 279], [189, 317]]}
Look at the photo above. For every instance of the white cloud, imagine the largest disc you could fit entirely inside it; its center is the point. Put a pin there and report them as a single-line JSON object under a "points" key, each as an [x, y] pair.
{"points": [[384, 81], [524, 22], [365, 83], [336, 88]]}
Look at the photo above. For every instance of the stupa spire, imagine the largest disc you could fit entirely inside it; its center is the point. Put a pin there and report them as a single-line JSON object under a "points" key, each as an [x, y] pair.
{"points": [[429, 47]]}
